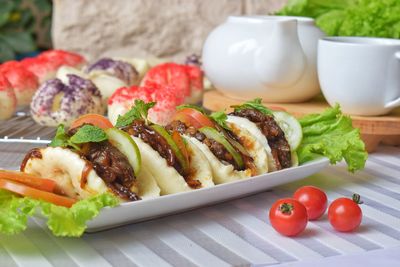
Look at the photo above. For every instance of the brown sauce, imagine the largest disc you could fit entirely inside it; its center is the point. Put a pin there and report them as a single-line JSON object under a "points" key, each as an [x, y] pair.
{"points": [[33, 153], [85, 172]]}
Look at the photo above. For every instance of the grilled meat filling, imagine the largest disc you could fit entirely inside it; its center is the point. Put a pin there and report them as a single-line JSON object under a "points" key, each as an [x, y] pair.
{"points": [[275, 136], [110, 165], [139, 129], [216, 148]]}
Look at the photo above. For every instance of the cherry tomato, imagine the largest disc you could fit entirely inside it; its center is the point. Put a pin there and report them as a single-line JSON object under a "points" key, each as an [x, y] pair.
{"points": [[288, 216], [29, 180], [31, 192], [314, 199], [345, 214], [193, 118], [94, 119]]}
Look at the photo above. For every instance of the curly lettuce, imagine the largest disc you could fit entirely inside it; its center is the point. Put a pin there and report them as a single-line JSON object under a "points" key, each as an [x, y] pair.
{"points": [[374, 18], [62, 221], [331, 134]]}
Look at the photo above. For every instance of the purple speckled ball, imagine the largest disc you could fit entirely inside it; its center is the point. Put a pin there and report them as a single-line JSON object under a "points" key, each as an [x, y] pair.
{"points": [[78, 97], [119, 69]]}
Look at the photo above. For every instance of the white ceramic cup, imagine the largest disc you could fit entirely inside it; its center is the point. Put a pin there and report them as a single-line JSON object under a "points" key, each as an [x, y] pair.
{"points": [[361, 74]]}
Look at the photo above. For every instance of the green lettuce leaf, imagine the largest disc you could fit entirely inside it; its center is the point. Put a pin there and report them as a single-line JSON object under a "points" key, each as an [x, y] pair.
{"points": [[374, 18], [14, 212], [62, 221], [332, 135]]}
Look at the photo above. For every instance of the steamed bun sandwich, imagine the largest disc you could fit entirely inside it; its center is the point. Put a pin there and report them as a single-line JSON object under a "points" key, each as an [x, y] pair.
{"points": [[88, 160], [233, 152], [90, 166], [278, 132], [174, 161], [57, 102], [93, 164]]}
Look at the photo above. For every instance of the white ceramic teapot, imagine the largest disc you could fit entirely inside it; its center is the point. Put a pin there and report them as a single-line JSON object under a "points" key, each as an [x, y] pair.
{"points": [[273, 57]]}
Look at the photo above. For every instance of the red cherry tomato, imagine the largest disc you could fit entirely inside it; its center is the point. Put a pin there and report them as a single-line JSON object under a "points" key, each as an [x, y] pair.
{"points": [[314, 199], [288, 216], [345, 214]]}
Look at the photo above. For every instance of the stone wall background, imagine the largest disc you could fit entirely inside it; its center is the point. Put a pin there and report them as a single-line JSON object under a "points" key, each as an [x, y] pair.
{"points": [[144, 28]]}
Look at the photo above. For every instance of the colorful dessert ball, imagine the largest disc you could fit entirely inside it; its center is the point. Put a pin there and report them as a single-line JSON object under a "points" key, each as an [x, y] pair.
{"points": [[110, 74], [45, 65], [63, 58], [24, 82], [186, 80], [140, 65], [56, 102], [123, 99], [8, 101]]}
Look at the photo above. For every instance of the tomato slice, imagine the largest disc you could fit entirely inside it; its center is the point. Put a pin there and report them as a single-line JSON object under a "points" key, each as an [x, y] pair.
{"points": [[193, 118], [175, 148], [181, 144], [31, 192], [94, 119], [28, 179]]}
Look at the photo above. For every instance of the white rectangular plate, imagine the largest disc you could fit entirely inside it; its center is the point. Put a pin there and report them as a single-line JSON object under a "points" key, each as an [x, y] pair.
{"points": [[137, 211]]}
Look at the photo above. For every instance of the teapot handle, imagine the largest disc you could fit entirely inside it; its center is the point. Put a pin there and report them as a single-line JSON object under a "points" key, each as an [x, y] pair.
{"points": [[396, 102], [281, 61]]}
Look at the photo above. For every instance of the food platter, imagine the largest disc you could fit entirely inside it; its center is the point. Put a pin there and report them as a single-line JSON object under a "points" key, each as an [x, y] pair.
{"points": [[137, 211]]}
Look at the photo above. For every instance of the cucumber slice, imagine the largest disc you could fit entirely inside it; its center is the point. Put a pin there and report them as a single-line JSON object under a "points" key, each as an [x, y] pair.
{"points": [[124, 143], [220, 138], [181, 158], [295, 159], [291, 127]]}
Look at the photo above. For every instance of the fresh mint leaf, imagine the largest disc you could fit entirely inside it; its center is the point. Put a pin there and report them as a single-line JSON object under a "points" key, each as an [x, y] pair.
{"points": [[220, 118], [202, 110], [253, 104], [127, 118], [61, 138], [139, 111], [88, 133], [85, 134]]}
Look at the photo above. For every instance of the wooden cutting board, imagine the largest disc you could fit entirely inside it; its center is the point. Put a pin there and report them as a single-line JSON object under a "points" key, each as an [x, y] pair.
{"points": [[374, 130]]}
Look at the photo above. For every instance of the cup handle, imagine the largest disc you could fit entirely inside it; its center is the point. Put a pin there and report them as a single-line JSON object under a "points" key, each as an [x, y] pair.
{"points": [[396, 102]]}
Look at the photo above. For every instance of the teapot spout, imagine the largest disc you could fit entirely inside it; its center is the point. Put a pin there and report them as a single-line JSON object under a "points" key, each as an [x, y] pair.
{"points": [[281, 61]]}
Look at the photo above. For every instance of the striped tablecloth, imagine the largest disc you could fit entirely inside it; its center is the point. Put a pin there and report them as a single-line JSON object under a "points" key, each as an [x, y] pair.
{"points": [[234, 233]]}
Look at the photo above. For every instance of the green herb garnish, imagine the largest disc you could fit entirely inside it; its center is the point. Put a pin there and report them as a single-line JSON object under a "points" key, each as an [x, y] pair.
{"points": [[87, 133], [220, 118], [61, 138], [139, 111], [253, 104]]}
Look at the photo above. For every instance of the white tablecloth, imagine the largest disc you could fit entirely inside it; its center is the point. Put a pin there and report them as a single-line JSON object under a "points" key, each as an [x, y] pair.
{"points": [[234, 233]]}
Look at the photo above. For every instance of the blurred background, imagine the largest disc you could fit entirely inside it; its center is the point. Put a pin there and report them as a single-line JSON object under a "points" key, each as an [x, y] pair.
{"points": [[24, 27], [170, 29]]}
